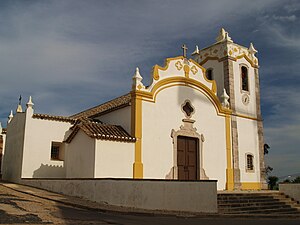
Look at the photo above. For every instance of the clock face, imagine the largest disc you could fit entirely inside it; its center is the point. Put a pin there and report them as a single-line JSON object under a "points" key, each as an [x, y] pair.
{"points": [[245, 99]]}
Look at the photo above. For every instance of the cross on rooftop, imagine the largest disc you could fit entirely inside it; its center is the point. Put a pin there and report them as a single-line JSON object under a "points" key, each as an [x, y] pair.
{"points": [[20, 99], [184, 48]]}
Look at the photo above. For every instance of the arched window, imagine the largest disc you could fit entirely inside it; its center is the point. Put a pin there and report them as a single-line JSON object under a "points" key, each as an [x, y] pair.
{"points": [[250, 166], [244, 77], [209, 74]]}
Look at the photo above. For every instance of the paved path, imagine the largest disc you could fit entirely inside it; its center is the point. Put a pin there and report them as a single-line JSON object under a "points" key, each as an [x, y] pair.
{"points": [[25, 205]]}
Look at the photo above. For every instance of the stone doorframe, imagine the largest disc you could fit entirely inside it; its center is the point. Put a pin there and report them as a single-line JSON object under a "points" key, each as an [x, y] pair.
{"points": [[187, 130]]}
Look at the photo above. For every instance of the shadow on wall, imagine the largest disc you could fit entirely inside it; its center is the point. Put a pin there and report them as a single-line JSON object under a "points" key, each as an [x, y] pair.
{"points": [[49, 171]]}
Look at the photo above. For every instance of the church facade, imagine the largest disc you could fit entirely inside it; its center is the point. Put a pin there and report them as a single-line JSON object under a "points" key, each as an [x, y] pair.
{"points": [[199, 119]]}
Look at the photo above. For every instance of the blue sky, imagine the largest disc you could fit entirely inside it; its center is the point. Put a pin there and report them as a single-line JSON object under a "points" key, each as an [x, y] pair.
{"points": [[71, 55]]}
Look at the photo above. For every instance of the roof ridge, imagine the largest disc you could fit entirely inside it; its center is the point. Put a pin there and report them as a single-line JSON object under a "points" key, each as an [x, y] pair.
{"points": [[101, 131], [113, 104], [52, 117]]}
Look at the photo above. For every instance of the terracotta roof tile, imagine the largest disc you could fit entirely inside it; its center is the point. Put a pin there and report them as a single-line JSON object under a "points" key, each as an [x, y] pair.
{"points": [[55, 118], [100, 131], [114, 104]]}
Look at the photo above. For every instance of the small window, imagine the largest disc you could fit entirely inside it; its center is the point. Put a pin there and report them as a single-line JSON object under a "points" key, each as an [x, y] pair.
{"points": [[250, 166], [55, 150], [209, 74], [244, 77], [187, 108]]}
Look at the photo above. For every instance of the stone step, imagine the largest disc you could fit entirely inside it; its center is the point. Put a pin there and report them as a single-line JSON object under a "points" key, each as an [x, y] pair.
{"points": [[250, 204], [257, 203], [254, 200], [250, 197], [264, 211], [254, 208]]}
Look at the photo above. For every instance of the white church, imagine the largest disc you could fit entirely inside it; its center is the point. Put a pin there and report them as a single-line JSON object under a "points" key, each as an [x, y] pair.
{"points": [[199, 119]]}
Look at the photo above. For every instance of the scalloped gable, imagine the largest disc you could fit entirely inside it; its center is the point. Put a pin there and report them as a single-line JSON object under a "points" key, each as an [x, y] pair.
{"points": [[180, 67]]}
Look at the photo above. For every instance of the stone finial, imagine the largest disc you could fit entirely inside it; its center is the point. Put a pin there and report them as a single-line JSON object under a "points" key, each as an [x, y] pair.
{"points": [[30, 103], [196, 52], [252, 50], [137, 80], [223, 36], [19, 108], [137, 74], [225, 98], [10, 116]]}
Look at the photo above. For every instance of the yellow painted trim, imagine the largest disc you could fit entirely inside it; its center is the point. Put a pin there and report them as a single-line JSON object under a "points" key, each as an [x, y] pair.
{"points": [[233, 58], [248, 59], [136, 131], [229, 169], [183, 81], [213, 82], [186, 69], [209, 58], [251, 186], [246, 117], [155, 74]]}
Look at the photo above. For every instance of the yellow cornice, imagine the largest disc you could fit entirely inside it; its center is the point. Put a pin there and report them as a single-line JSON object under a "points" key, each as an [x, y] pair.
{"points": [[209, 58], [253, 64], [246, 117], [181, 81]]}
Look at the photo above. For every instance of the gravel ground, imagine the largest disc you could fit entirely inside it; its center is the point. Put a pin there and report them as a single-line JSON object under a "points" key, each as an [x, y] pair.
{"points": [[24, 208]]}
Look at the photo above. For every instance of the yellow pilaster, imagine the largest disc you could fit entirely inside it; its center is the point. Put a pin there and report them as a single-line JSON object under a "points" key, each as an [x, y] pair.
{"points": [[229, 170], [136, 130]]}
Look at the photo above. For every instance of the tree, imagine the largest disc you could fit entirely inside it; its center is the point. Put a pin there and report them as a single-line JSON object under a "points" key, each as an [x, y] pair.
{"points": [[287, 181], [266, 149], [296, 180], [272, 181], [268, 169]]}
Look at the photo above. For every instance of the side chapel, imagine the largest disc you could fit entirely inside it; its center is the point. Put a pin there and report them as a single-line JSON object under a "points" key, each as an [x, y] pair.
{"points": [[200, 118]]}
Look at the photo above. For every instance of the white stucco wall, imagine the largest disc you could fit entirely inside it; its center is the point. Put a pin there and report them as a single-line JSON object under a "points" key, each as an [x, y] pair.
{"points": [[80, 157], [39, 135], [218, 74], [114, 159], [155, 195], [12, 159], [249, 109], [118, 117], [3, 150], [165, 114], [248, 143]]}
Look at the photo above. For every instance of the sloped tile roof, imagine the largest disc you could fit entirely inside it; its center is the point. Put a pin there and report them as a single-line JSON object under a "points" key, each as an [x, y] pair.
{"points": [[114, 104], [55, 118], [100, 131]]}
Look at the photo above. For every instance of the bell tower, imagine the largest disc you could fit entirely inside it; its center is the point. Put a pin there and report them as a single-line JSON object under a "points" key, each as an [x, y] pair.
{"points": [[235, 70]]}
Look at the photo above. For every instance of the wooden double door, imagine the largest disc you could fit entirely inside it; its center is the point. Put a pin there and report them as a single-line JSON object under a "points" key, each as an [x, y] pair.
{"points": [[187, 158]]}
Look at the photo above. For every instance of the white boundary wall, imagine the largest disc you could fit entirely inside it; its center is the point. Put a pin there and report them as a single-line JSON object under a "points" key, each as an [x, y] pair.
{"points": [[189, 196], [292, 190]]}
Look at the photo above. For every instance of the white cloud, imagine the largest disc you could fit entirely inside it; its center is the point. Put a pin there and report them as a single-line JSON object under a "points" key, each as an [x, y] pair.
{"points": [[291, 18]]}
